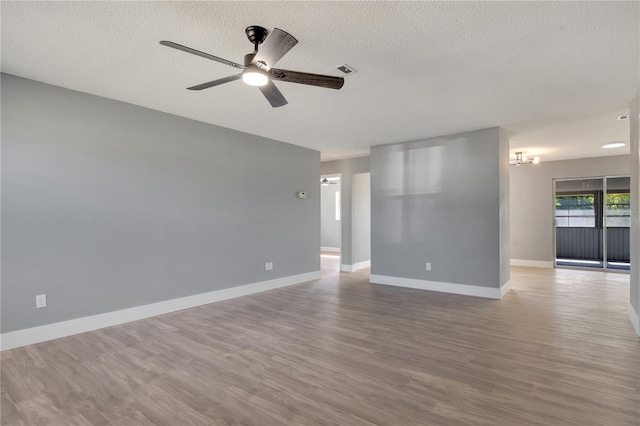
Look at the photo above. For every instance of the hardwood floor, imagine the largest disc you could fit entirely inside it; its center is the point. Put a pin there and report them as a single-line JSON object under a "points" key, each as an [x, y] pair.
{"points": [[557, 350]]}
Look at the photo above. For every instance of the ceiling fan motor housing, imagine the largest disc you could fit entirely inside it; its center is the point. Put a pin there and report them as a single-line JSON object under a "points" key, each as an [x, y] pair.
{"points": [[256, 34], [248, 58]]}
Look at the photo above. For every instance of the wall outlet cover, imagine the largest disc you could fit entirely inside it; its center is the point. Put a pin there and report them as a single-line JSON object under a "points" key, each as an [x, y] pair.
{"points": [[41, 301]]}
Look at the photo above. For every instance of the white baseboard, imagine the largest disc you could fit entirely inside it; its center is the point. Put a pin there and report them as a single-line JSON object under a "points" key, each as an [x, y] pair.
{"points": [[29, 336], [633, 317], [355, 266], [362, 265], [504, 288], [331, 249], [468, 290], [531, 263]]}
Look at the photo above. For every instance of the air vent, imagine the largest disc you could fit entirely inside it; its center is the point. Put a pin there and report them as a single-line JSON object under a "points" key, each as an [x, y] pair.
{"points": [[345, 70]]}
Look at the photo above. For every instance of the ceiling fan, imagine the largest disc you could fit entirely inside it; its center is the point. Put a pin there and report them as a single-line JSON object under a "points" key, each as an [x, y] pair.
{"points": [[258, 65]]}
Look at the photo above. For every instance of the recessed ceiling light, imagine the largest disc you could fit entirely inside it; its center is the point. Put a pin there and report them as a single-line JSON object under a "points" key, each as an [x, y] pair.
{"points": [[613, 145], [623, 117]]}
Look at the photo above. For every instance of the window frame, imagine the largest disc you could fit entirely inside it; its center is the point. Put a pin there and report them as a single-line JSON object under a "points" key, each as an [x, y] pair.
{"points": [[597, 214]]}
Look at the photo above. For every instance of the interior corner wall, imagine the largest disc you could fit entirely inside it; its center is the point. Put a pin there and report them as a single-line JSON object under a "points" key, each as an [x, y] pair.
{"points": [[347, 169], [532, 206], [108, 206], [634, 123], [444, 201]]}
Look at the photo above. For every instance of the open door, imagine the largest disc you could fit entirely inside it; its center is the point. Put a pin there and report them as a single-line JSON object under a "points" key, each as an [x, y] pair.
{"points": [[330, 223]]}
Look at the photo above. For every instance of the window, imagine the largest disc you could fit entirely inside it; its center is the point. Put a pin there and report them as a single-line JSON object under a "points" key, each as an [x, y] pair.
{"points": [[576, 211], [338, 205], [618, 210]]}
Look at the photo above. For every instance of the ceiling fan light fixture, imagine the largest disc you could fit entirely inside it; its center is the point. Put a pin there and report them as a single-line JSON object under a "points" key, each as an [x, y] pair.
{"points": [[254, 76]]}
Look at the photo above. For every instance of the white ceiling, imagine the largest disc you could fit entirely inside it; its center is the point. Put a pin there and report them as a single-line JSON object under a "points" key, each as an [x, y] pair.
{"points": [[555, 75]]}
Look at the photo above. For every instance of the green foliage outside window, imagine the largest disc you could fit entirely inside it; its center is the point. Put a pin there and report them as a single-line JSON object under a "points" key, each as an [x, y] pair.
{"points": [[576, 211], [618, 210], [575, 202], [618, 201], [580, 210]]}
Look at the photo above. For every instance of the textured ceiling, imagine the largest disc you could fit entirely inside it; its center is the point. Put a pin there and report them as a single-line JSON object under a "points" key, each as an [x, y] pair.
{"points": [[555, 75]]}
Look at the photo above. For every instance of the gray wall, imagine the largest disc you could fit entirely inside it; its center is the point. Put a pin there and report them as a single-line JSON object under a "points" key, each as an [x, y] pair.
{"points": [[361, 217], [346, 168], [634, 123], [106, 205], [442, 200], [532, 211], [329, 227], [505, 209]]}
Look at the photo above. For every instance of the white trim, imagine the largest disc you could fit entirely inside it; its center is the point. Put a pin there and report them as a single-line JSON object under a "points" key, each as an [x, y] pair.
{"points": [[355, 266], [532, 263], [504, 288], [362, 265], [635, 320], [331, 249], [29, 336], [468, 290]]}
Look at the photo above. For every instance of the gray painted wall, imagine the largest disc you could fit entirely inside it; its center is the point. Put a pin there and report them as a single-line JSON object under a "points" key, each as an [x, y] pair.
{"points": [[329, 227], [442, 200], [107, 205], [346, 168], [532, 211], [505, 209], [361, 217], [634, 157]]}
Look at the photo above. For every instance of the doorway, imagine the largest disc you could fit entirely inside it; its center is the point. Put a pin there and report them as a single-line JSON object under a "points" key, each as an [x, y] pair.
{"points": [[592, 220], [330, 223]]}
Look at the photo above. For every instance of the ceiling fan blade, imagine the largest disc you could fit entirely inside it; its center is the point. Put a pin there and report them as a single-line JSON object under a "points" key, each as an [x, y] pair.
{"points": [[273, 95], [199, 53], [277, 44], [216, 82], [318, 80]]}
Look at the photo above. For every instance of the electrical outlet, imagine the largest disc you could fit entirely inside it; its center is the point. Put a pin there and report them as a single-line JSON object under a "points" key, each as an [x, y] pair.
{"points": [[268, 266], [428, 266], [41, 301]]}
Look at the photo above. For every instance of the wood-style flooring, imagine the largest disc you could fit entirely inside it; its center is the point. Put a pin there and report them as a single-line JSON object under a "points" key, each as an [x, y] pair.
{"points": [[557, 350]]}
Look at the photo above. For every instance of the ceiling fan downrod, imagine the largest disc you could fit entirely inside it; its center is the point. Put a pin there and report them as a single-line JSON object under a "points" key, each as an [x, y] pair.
{"points": [[256, 35]]}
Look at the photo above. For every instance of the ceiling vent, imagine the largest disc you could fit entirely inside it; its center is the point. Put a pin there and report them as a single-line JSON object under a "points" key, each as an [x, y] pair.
{"points": [[345, 70]]}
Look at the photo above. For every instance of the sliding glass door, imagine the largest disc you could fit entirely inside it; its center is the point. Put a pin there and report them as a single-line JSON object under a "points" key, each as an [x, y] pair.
{"points": [[592, 223], [579, 230], [617, 222]]}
